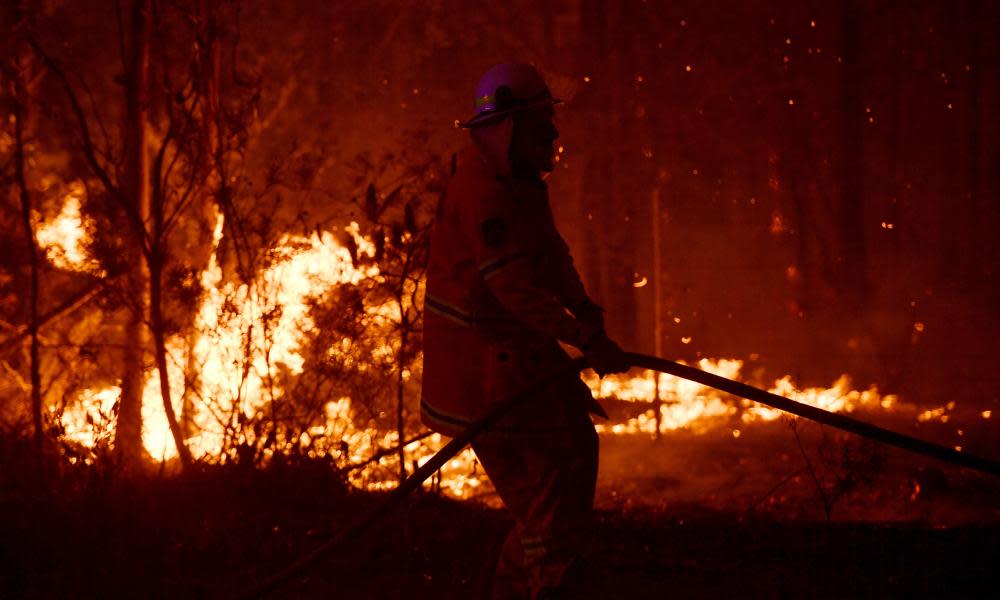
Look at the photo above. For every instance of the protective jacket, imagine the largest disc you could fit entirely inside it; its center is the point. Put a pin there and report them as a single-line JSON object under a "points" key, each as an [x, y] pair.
{"points": [[500, 283]]}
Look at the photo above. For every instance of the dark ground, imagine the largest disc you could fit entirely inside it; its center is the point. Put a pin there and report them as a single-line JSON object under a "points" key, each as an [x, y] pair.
{"points": [[211, 534]]}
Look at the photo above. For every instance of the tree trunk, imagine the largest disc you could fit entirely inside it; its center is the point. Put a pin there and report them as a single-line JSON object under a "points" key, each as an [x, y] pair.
{"points": [[20, 115], [968, 235], [136, 188], [188, 425], [852, 263], [593, 42], [657, 276], [400, 366], [400, 422], [157, 258], [159, 337], [66, 308]]}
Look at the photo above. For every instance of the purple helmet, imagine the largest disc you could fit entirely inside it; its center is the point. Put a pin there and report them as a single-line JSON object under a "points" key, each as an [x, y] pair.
{"points": [[506, 89]]}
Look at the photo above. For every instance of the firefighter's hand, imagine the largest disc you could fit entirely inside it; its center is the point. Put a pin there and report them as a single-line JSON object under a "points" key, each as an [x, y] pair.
{"points": [[605, 356]]}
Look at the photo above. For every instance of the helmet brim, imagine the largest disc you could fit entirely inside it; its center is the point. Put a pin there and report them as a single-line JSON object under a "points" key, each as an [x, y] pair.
{"points": [[488, 117]]}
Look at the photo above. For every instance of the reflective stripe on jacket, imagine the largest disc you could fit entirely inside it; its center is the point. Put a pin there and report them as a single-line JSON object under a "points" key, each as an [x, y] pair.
{"points": [[499, 280]]}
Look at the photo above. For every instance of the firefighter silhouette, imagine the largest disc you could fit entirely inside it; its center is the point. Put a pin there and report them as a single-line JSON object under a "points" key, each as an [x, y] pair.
{"points": [[502, 292]]}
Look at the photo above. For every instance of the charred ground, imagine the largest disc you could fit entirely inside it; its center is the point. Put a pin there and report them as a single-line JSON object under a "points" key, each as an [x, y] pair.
{"points": [[215, 532]]}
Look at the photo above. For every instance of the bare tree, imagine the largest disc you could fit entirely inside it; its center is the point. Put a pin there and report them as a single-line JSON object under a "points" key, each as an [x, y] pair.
{"points": [[18, 67], [852, 267], [175, 140], [401, 231], [136, 195]]}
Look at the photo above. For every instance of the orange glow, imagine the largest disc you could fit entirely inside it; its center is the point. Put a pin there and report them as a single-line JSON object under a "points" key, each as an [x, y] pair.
{"points": [[688, 404], [939, 414], [64, 237], [234, 375]]}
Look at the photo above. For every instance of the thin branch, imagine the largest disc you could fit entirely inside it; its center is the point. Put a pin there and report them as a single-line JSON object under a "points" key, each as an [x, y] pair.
{"points": [[122, 51], [73, 303], [106, 153], [159, 193], [773, 489], [80, 116], [186, 198], [88, 146], [384, 452], [827, 507], [171, 164], [161, 153]]}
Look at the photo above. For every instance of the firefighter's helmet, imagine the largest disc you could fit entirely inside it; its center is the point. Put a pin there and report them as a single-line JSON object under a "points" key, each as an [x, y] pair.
{"points": [[506, 89]]}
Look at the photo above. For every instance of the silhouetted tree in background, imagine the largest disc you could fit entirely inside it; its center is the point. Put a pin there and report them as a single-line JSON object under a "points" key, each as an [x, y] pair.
{"points": [[19, 73]]}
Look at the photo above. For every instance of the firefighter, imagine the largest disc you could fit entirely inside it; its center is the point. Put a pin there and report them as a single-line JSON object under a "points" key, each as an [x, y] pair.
{"points": [[502, 292]]}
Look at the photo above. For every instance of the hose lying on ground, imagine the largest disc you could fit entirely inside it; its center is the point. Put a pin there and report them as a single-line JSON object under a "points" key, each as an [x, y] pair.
{"points": [[735, 388]]}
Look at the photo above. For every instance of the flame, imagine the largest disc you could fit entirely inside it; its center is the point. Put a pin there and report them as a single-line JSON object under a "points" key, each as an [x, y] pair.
{"points": [[235, 359], [231, 382], [685, 403], [301, 267], [234, 368], [63, 238], [89, 421]]}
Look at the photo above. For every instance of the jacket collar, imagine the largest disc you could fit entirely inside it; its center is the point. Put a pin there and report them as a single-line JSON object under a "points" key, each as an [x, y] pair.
{"points": [[488, 166]]}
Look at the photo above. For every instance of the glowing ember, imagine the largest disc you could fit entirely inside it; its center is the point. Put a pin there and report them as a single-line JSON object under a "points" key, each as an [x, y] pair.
{"points": [[939, 414]]}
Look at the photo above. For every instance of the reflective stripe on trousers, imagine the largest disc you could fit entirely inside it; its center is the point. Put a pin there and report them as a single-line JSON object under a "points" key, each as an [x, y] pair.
{"points": [[547, 483]]}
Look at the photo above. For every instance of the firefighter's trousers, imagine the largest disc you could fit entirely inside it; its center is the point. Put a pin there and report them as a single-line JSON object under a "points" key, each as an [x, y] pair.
{"points": [[546, 480]]}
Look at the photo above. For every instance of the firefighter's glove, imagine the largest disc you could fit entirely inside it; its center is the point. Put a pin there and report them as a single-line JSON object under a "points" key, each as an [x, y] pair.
{"points": [[604, 355]]}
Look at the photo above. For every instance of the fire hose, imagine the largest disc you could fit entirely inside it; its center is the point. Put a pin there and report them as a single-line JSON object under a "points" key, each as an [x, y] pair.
{"points": [[653, 363]]}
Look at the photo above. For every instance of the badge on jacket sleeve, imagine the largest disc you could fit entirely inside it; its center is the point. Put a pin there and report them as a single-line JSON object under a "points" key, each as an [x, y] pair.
{"points": [[494, 232]]}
